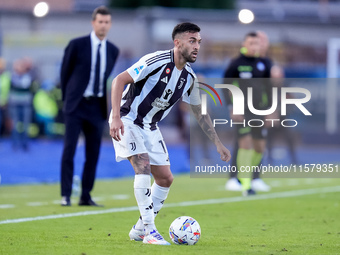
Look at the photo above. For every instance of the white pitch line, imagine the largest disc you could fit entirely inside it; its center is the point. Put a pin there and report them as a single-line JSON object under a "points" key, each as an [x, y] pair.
{"points": [[285, 194], [36, 203], [6, 206], [120, 197]]}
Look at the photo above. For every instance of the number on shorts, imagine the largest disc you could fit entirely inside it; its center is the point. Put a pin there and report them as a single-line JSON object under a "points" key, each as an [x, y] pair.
{"points": [[161, 142]]}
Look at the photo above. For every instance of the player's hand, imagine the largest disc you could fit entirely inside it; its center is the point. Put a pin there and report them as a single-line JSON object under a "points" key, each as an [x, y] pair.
{"points": [[224, 152], [116, 129]]}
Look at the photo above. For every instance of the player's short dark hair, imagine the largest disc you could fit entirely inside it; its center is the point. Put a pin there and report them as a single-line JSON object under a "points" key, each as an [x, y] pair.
{"points": [[103, 10], [250, 34], [185, 27]]}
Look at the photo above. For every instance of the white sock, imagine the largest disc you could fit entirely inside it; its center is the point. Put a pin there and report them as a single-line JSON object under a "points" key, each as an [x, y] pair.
{"points": [[158, 194], [142, 188], [139, 225]]}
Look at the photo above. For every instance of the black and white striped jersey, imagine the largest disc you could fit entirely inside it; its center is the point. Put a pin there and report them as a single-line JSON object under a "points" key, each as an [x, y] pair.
{"points": [[157, 86]]}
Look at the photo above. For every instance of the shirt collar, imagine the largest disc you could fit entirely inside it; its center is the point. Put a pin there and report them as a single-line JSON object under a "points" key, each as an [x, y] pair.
{"points": [[95, 39]]}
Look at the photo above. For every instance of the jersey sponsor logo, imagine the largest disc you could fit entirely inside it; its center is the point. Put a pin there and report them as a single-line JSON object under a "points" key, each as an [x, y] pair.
{"points": [[159, 103], [181, 83], [167, 94], [133, 146], [165, 80], [138, 69]]}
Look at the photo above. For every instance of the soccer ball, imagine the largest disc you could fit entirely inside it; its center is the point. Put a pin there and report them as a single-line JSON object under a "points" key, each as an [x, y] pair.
{"points": [[185, 230]]}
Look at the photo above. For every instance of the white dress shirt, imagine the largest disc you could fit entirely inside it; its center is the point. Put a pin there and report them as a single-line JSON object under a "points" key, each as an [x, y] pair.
{"points": [[94, 47]]}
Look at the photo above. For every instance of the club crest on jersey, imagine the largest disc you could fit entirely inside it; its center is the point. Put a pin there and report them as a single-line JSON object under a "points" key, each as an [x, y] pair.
{"points": [[167, 71], [181, 83], [133, 146]]}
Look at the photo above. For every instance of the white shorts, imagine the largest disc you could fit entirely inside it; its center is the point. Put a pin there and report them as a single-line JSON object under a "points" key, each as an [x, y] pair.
{"points": [[137, 140]]}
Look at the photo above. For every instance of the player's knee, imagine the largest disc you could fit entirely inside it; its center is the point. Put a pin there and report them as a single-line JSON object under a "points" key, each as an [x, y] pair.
{"points": [[166, 181], [170, 180]]}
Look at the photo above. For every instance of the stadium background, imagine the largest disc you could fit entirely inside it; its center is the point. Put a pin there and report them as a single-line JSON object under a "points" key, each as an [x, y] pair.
{"points": [[299, 32]]}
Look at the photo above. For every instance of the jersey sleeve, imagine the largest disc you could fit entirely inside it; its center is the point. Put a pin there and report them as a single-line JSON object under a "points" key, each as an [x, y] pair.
{"points": [[193, 95], [140, 69]]}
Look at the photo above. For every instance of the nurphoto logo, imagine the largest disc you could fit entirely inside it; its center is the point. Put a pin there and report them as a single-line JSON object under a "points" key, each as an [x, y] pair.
{"points": [[238, 104]]}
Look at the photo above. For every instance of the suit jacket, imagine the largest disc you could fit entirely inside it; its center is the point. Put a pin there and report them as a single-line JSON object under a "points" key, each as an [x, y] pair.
{"points": [[76, 69]]}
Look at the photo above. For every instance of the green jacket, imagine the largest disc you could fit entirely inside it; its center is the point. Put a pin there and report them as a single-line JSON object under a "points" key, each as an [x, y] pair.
{"points": [[5, 85]]}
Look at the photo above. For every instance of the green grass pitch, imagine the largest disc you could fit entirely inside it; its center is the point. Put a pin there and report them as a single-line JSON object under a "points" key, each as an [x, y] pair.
{"points": [[299, 216]]}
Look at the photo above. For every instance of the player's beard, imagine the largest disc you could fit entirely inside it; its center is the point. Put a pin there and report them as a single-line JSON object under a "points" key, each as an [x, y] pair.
{"points": [[187, 56]]}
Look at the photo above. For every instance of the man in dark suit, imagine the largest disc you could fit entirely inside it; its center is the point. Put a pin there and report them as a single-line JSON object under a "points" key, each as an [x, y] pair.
{"points": [[87, 64]]}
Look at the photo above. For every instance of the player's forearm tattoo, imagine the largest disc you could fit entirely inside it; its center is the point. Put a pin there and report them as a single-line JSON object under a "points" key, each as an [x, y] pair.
{"points": [[205, 123], [140, 163]]}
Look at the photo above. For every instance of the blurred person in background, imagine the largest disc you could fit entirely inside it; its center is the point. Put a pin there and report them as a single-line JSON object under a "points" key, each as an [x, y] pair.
{"points": [[277, 75], [87, 63], [264, 48], [5, 84], [32, 70], [20, 104], [250, 144], [46, 108]]}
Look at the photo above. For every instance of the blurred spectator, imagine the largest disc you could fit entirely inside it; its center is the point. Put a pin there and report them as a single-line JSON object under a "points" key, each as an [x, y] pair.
{"points": [[32, 71], [277, 75], [20, 103], [264, 43], [5, 83], [46, 108], [250, 144]]}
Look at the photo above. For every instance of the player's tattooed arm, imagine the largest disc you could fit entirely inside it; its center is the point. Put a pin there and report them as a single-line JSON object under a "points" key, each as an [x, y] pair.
{"points": [[205, 123], [140, 163]]}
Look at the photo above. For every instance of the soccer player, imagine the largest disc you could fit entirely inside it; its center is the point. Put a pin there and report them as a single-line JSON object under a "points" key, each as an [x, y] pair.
{"points": [[250, 143], [156, 82]]}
